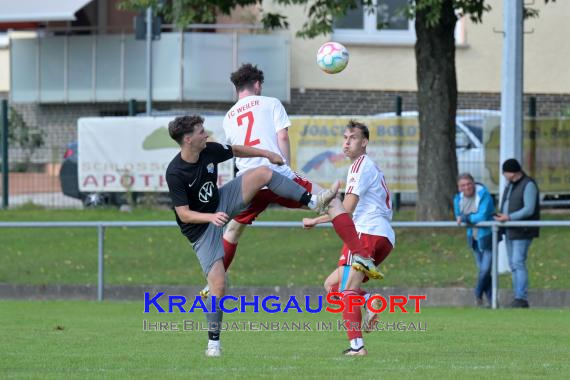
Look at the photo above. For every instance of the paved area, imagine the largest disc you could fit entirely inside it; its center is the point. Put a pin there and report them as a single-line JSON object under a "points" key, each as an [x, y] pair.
{"points": [[48, 200]]}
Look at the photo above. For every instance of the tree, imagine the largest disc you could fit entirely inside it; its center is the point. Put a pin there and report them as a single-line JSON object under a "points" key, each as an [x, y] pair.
{"points": [[28, 139], [435, 69]]}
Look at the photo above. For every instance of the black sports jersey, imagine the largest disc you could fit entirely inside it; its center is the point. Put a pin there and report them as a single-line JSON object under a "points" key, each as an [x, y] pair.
{"points": [[195, 185]]}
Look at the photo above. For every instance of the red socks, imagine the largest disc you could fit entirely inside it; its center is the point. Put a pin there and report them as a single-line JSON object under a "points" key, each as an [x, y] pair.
{"points": [[229, 253], [344, 227], [354, 319]]}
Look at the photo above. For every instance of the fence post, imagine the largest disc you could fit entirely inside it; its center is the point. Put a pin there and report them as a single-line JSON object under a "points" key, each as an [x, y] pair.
{"points": [[397, 196], [398, 105], [495, 268], [101, 257], [132, 107], [5, 168], [532, 135]]}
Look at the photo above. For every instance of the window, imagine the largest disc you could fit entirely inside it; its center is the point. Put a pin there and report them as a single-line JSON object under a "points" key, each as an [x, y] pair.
{"points": [[476, 127], [4, 40], [461, 140], [385, 23]]}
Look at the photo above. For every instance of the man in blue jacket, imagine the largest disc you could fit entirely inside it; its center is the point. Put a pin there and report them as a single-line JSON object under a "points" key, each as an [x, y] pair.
{"points": [[473, 204]]}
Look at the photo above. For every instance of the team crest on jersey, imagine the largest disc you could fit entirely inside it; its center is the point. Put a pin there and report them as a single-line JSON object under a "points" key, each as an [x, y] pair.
{"points": [[210, 168], [206, 192]]}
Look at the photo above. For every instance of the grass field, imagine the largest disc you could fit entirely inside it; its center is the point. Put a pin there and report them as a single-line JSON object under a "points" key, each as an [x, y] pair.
{"points": [[266, 257], [79, 339]]}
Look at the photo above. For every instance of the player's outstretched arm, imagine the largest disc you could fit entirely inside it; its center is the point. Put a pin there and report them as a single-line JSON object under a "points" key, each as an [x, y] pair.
{"points": [[284, 145], [194, 217], [312, 222], [348, 205], [247, 151]]}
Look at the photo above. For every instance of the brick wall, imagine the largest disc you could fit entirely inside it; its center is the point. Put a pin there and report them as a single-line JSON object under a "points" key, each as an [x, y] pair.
{"points": [[353, 102]]}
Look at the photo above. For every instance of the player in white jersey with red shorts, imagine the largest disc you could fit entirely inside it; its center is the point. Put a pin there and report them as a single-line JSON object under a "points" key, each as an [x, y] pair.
{"points": [[262, 122], [368, 199]]}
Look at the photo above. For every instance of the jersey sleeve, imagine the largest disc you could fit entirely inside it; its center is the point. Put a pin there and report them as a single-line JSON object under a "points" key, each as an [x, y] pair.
{"points": [[280, 118], [176, 190], [220, 152], [357, 181]]}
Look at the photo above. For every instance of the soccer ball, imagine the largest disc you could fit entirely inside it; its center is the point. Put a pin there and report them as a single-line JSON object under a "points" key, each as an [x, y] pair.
{"points": [[332, 57]]}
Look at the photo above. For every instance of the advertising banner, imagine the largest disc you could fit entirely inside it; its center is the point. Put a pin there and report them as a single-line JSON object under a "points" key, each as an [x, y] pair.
{"points": [[546, 148], [316, 149], [118, 154]]}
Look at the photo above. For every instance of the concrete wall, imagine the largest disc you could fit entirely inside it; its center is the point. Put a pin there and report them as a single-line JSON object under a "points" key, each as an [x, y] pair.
{"points": [[4, 70]]}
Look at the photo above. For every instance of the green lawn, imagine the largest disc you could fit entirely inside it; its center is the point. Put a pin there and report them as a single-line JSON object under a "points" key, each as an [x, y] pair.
{"points": [[84, 340], [294, 257]]}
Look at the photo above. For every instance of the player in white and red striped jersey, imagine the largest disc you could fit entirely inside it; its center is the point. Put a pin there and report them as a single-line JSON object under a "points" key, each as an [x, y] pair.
{"points": [[373, 211], [368, 199], [262, 122]]}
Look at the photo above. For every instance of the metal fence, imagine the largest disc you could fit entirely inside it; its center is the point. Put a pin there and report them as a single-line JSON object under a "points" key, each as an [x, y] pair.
{"points": [[102, 225]]}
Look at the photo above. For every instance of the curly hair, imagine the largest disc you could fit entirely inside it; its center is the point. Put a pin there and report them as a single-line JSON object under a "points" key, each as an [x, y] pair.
{"points": [[353, 124], [182, 125], [246, 76]]}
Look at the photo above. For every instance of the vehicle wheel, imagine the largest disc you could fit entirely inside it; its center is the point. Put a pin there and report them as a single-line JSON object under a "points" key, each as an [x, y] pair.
{"points": [[93, 200]]}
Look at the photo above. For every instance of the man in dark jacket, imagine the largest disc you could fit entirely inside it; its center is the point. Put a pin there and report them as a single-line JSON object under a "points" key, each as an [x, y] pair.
{"points": [[520, 202]]}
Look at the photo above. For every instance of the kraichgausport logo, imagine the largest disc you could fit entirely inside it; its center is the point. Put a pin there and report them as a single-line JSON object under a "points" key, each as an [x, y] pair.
{"points": [[274, 304]]}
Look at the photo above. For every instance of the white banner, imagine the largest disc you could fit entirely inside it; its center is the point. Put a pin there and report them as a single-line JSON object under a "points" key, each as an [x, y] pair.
{"points": [[118, 154]]}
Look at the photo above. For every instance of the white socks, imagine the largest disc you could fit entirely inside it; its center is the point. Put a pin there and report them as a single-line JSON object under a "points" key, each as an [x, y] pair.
{"points": [[213, 343], [356, 343], [313, 203]]}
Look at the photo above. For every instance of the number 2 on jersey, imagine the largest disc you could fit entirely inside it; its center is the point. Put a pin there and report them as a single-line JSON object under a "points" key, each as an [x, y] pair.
{"points": [[249, 117]]}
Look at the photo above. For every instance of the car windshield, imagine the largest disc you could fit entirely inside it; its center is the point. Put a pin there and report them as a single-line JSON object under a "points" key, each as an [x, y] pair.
{"points": [[475, 126]]}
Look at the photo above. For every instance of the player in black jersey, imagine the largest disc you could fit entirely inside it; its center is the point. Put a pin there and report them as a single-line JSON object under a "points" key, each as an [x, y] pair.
{"points": [[202, 209]]}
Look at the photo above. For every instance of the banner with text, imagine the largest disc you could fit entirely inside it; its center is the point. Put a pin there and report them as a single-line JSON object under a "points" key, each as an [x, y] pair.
{"points": [[316, 149], [132, 153], [118, 154]]}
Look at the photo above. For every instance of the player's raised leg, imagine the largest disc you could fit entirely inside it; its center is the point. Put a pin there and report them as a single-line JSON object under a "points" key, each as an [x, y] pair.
{"points": [[255, 179], [232, 234], [345, 229]]}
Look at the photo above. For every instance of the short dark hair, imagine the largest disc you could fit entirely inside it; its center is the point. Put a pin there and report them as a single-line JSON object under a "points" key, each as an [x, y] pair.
{"points": [[246, 76], [353, 124], [467, 176], [511, 166], [182, 125]]}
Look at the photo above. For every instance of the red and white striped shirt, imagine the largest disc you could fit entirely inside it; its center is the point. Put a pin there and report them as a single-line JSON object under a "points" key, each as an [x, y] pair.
{"points": [[373, 212]]}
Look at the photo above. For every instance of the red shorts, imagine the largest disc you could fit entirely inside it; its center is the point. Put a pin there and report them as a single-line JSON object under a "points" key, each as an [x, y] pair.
{"points": [[379, 247], [265, 197]]}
